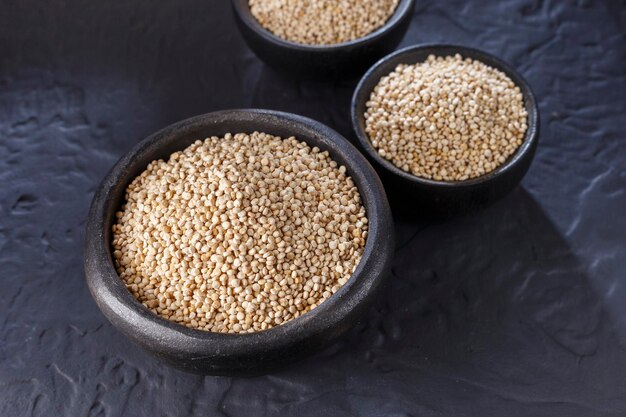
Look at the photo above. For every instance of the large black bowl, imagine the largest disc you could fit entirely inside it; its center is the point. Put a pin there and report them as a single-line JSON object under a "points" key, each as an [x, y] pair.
{"points": [[412, 194], [341, 61], [228, 354]]}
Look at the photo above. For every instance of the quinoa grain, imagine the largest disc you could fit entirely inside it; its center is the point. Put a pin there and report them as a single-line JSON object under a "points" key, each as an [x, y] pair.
{"points": [[239, 234], [322, 22], [447, 119]]}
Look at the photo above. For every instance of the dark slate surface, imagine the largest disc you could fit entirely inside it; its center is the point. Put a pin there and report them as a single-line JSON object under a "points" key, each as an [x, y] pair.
{"points": [[518, 310]]}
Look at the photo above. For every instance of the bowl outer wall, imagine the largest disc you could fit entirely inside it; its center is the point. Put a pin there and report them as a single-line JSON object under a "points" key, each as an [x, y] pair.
{"points": [[208, 352], [477, 191], [340, 61]]}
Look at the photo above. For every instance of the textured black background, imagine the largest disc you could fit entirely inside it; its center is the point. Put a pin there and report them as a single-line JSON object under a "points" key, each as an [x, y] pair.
{"points": [[519, 310]]}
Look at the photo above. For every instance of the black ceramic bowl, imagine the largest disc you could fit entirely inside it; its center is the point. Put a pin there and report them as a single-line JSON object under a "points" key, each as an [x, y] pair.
{"points": [[229, 354], [341, 61], [441, 198]]}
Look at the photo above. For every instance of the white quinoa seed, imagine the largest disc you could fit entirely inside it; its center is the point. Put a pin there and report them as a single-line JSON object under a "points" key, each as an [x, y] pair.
{"points": [[322, 22], [447, 119], [239, 234]]}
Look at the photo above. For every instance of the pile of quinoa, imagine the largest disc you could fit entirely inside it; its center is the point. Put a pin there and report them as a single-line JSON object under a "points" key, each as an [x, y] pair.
{"points": [[239, 234], [322, 22], [447, 119]]}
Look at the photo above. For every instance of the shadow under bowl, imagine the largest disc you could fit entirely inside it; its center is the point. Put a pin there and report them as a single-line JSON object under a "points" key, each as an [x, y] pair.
{"points": [[341, 61], [412, 195], [236, 354]]}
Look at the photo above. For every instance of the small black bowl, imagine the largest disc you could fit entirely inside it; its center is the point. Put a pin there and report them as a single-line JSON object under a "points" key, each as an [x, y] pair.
{"points": [[340, 61], [411, 194], [231, 354]]}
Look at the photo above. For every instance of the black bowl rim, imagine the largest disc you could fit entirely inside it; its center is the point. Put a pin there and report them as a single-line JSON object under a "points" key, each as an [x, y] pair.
{"points": [[165, 337], [388, 63], [403, 8]]}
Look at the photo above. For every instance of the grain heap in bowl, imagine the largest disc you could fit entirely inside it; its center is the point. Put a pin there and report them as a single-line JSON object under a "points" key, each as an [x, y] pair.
{"points": [[446, 119], [322, 22], [239, 234]]}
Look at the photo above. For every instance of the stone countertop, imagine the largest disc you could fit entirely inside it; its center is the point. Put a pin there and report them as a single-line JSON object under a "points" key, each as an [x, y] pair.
{"points": [[517, 310]]}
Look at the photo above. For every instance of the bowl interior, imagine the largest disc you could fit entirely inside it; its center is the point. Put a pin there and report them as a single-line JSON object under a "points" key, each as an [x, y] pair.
{"points": [[413, 55], [117, 302], [242, 8]]}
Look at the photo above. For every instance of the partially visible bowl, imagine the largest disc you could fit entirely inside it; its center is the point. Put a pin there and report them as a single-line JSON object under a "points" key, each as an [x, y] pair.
{"points": [[340, 61], [411, 194], [231, 354]]}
